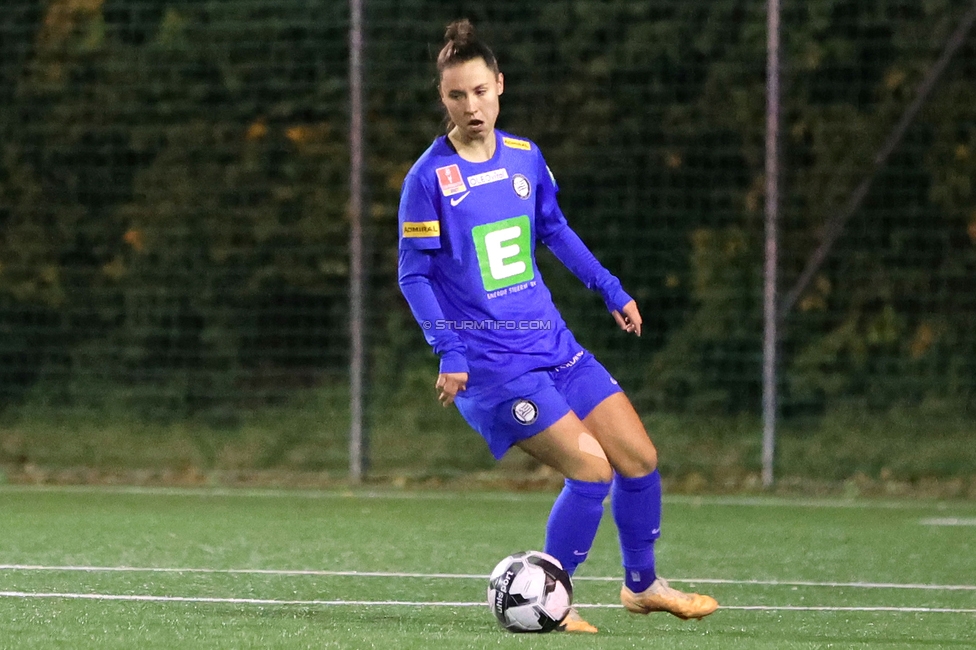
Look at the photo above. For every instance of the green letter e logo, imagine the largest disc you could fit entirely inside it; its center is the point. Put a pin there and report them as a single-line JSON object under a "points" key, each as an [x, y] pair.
{"points": [[504, 252]]}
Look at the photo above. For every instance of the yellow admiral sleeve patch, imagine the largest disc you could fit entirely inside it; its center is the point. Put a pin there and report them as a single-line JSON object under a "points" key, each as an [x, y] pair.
{"points": [[517, 144], [421, 228]]}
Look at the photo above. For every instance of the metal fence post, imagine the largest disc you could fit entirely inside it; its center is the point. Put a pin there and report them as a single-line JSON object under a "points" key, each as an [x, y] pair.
{"points": [[770, 332], [356, 279]]}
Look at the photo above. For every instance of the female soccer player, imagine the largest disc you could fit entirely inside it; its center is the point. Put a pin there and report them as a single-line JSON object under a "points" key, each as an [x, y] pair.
{"points": [[472, 209]]}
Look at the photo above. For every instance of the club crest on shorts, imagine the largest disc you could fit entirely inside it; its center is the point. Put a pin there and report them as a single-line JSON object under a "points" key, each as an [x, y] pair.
{"points": [[521, 186], [525, 411]]}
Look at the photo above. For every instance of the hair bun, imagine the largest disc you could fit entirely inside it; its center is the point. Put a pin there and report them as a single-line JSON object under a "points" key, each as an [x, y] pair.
{"points": [[463, 45], [460, 32]]}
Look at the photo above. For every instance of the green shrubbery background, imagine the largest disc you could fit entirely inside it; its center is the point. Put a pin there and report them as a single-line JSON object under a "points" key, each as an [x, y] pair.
{"points": [[173, 229]]}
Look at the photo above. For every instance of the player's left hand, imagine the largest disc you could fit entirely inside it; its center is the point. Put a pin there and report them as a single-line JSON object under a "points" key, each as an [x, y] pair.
{"points": [[630, 319]]}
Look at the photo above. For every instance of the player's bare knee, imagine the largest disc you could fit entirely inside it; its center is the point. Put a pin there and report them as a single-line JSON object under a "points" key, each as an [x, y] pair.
{"points": [[649, 460], [595, 471], [639, 464]]}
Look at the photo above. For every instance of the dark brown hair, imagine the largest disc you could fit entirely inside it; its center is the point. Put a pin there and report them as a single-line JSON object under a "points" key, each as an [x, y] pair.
{"points": [[461, 45]]}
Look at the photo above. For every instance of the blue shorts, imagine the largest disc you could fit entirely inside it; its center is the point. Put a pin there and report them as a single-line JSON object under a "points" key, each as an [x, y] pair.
{"points": [[533, 402]]}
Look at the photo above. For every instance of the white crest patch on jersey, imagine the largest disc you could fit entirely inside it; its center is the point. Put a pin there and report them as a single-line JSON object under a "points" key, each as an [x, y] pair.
{"points": [[522, 186]]}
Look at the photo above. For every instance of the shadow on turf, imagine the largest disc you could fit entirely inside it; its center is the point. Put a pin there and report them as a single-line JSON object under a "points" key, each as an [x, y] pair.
{"points": [[376, 617]]}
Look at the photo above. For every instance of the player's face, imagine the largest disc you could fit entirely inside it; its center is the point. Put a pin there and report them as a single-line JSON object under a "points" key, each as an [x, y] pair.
{"points": [[470, 93]]}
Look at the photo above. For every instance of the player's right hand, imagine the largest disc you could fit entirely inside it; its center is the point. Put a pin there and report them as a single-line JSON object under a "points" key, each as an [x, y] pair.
{"points": [[630, 320], [449, 384]]}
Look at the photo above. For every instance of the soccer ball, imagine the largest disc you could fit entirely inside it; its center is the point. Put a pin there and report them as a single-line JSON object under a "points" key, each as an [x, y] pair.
{"points": [[530, 592]]}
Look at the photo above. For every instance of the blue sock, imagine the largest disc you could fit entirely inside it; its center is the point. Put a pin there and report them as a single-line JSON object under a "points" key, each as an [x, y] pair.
{"points": [[636, 507], [573, 521]]}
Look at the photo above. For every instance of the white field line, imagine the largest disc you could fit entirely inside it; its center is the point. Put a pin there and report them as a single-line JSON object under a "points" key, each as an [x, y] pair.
{"points": [[466, 576], [817, 608], [948, 521], [475, 495], [278, 493], [400, 603]]}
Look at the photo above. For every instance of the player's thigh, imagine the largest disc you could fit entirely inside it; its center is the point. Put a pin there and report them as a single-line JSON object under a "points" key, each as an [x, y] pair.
{"points": [[569, 448], [620, 432]]}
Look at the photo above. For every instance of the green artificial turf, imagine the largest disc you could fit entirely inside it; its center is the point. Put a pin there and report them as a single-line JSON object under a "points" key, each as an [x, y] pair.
{"points": [[142, 568]]}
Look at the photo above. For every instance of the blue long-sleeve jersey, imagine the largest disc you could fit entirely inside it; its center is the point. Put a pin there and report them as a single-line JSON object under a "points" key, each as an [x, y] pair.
{"points": [[467, 268]]}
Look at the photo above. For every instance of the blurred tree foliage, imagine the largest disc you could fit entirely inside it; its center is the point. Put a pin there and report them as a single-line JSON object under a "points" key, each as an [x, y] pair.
{"points": [[173, 191]]}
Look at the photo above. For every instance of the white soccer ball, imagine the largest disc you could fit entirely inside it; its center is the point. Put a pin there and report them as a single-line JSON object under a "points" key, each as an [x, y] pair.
{"points": [[530, 592]]}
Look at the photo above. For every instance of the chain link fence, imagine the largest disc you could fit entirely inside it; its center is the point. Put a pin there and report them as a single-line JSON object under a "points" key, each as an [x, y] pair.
{"points": [[174, 231]]}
